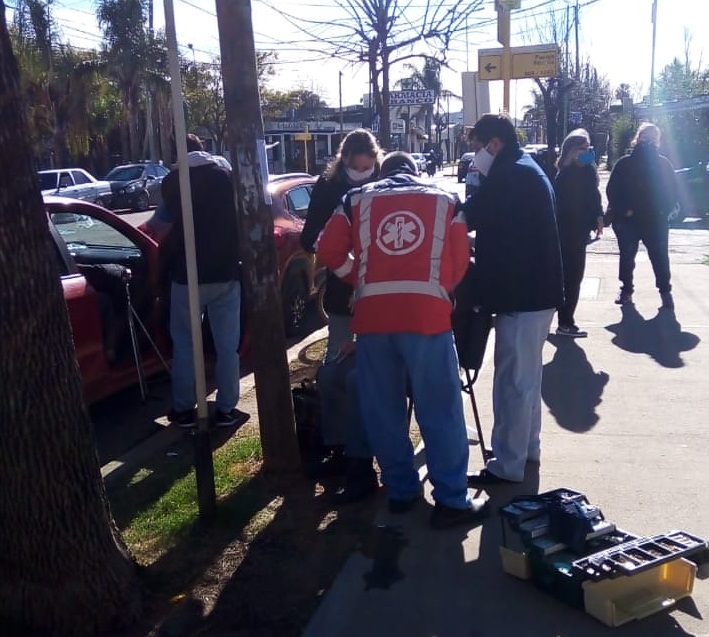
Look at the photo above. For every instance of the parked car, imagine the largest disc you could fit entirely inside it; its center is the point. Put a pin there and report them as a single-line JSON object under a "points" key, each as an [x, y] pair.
{"points": [[75, 183], [420, 160], [136, 186], [466, 159], [87, 237], [692, 191]]}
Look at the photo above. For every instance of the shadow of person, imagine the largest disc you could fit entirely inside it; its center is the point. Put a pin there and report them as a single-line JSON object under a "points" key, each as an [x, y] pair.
{"points": [[570, 387], [661, 337]]}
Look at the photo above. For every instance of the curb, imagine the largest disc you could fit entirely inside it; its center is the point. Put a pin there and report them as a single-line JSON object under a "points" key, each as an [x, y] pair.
{"points": [[168, 435]]}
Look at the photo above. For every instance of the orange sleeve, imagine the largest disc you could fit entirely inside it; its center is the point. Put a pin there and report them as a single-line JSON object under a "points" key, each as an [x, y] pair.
{"points": [[334, 247], [460, 248]]}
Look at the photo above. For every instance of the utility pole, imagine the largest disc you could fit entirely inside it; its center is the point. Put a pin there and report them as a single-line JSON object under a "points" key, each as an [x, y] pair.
{"points": [[652, 66], [148, 95], [342, 115], [504, 15], [565, 124], [248, 151], [576, 26]]}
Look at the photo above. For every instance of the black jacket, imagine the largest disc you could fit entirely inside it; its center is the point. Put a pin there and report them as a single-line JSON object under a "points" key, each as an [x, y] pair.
{"points": [[215, 223], [517, 255], [326, 197], [578, 204], [644, 182]]}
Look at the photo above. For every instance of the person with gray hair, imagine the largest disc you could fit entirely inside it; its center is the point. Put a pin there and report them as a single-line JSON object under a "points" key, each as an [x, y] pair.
{"points": [[578, 211], [642, 192]]}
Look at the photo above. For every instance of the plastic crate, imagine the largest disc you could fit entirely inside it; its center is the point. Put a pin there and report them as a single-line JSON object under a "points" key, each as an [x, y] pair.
{"points": [[515, 563], [618, 601]]}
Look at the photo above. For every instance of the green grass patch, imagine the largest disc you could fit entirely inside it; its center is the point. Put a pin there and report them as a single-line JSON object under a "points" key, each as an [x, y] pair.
{"points": [[158, 506]]}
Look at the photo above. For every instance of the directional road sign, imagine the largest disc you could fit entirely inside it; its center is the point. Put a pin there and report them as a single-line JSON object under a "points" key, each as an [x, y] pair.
{"points": [[527, 62], [302, 137]]}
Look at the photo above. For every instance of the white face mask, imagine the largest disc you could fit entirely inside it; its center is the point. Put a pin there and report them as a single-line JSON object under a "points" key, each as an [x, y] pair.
{"points": [[483, 161], [357, 175]]}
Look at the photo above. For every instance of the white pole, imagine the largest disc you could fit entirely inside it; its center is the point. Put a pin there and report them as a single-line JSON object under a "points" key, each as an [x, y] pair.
{"points": [[187, 216]]}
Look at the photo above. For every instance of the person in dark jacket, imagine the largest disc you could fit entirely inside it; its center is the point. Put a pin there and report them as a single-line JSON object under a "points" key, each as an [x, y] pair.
{"points": [[641, 194], [578, 212], [357, 163], [216, 236], [519, 279]]}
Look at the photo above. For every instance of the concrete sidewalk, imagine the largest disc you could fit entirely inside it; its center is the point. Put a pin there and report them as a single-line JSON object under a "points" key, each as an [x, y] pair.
{"points": [[625, 421]]}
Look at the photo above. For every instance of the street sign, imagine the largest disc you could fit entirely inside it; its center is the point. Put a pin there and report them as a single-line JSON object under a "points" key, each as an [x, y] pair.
{"points": [[398, 126], [411, 97], [527, 62], [489, 64], [535, 61], [302, 137]]}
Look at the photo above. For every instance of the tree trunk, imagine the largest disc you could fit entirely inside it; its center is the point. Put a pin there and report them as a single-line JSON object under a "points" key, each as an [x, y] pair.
{"points": [[385, 115], [64, 569]]}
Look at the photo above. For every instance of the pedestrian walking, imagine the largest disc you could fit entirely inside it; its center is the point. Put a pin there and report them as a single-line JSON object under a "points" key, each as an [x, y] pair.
{"points": [[642, 192], [578, 212], [356, 163], [218, 270], [519, 277], [403, 245]]}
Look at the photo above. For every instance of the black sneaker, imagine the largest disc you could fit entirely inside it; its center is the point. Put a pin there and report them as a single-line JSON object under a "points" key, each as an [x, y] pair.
{"points": [[571, 330], [233, 418], [444, 517], [624, 297], [185, 419], [397, 507]]}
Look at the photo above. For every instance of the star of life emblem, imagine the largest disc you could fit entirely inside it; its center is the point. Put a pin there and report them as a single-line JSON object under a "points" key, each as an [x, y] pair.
{"points": [[400, 233]]}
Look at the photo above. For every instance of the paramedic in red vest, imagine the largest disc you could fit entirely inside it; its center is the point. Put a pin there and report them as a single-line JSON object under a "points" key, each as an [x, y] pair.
{"points": [[402, 245]]}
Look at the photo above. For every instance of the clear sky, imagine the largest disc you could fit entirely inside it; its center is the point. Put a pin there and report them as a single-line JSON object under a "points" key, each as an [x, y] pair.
{"points": [[615, 34]]}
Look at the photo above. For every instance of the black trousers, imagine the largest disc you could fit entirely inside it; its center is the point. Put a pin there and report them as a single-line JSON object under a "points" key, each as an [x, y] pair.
{"points": [[573, 259], [655, 238]]}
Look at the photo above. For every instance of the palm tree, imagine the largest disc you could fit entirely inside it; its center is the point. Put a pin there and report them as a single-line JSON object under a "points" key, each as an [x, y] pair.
{"points": [[126, 51], [428, 78]]}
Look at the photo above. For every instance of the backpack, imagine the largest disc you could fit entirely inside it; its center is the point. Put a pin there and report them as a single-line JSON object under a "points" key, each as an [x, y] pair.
{"points": [[306, 407]]}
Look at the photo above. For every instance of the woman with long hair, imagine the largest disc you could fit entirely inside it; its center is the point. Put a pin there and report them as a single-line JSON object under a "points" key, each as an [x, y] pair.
{"points": [[356, 164], [579, 211], [641, 194]]}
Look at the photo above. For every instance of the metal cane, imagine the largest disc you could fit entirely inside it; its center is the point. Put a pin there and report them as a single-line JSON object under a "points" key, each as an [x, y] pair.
{"points": [[126, 276]]}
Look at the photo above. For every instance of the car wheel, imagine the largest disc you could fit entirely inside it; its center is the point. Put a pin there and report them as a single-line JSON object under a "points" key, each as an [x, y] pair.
{"points": [[142, 202], [294, 296]]}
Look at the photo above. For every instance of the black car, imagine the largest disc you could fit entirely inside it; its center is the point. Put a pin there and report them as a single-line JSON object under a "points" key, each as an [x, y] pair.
{"points": [[136, 186], [692, 192]]}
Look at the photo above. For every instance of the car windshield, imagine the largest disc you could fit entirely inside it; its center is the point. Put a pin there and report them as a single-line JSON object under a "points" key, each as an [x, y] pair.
{"points": [[47, 181], [125, 173]]}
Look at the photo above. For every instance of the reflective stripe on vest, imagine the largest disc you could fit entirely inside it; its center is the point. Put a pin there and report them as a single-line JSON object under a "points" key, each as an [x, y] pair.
{"points": [[433, 286]]}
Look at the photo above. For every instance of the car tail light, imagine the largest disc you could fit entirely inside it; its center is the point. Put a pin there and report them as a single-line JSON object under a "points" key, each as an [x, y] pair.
{"points": [[279, 236]]}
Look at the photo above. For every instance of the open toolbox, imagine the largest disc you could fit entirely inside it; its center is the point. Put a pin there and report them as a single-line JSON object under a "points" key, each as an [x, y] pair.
{"points": [[565, 546]]}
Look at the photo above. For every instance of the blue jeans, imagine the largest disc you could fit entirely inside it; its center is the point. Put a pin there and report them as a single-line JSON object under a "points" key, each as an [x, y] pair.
{"points": [[384, 362], [339, 333], [222, 301], [342, 422], [517, 391]]}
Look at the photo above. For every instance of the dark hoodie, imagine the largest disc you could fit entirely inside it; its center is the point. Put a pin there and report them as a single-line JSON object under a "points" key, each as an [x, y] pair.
{"points": [[578, 203], [326, 197], [644, 182]]}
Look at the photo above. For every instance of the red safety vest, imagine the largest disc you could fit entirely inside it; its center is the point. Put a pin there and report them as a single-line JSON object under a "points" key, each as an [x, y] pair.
{"points": [[408, 251]]}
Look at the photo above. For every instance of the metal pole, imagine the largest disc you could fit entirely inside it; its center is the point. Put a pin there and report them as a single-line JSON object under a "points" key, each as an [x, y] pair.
{"points": [[652, 66], [342, 115], [578, 57], [204, 468], [503, 36]]}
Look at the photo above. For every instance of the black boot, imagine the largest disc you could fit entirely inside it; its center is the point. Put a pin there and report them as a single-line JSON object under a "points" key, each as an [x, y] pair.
{"points": [[360, 482], [333, 464]]}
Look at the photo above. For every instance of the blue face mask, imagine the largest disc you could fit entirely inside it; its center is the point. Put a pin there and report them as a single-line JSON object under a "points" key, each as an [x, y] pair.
{"points": [[587, 157]]}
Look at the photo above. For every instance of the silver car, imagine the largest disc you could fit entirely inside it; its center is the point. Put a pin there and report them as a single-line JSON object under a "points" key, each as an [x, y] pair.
{"points": [[75, 183]]}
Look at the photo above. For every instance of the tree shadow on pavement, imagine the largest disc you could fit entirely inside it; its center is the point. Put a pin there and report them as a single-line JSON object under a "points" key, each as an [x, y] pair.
{"points": [[661, 337], [571, 389]]}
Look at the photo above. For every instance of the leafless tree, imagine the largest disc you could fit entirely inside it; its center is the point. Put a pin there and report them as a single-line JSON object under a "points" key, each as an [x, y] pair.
{"points": [[383, 33]]}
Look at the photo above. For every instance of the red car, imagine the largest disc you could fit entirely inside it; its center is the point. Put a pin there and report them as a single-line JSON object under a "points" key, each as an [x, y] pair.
{"points": [[90, 241]]}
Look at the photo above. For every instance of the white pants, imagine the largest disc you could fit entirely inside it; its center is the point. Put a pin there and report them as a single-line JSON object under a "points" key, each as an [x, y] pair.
{"points": [[517, 391]]}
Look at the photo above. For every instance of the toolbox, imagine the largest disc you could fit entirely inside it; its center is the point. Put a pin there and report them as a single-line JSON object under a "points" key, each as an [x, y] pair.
{"points": [[564, 545]]}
